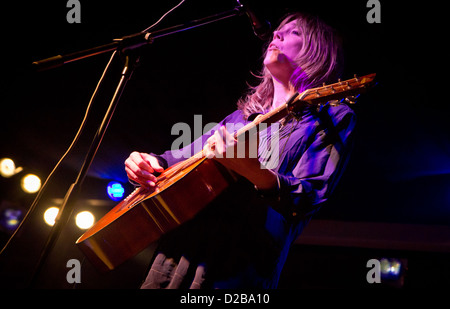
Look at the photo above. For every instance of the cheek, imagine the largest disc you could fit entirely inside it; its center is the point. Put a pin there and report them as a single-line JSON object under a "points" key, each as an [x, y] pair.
{"points": [[279, 65], [293, 49]]}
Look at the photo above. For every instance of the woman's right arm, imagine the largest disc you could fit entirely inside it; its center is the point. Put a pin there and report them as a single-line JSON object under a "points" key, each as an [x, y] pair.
{"points": [[141, 167]]}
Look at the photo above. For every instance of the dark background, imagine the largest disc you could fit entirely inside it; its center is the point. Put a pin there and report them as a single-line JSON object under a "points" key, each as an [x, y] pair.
{"points": [[400, 167]]}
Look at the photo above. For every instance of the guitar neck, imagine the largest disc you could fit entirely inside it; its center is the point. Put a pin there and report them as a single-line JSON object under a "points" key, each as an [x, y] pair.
{"points": [[269, 118], [311, 97]]}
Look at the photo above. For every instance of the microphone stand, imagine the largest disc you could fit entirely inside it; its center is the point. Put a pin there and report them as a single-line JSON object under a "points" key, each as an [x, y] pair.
{"points": [[133, 41], [123, 45]]}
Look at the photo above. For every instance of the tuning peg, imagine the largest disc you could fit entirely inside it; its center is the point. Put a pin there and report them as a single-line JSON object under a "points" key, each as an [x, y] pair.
{"points": [[319, 107], [334, 103], [350, 99]]}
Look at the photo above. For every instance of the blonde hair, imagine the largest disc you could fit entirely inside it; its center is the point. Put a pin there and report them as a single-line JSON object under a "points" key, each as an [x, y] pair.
{"points": [[319, 60]]}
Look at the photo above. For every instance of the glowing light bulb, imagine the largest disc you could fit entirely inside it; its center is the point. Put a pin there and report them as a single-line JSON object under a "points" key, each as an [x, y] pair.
{"points": [[8, 168], [84, 220], [50, 215], [31, 183]]}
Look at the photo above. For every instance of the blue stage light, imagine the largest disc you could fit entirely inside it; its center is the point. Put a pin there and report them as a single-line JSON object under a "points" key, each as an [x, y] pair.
{"points": [[391, 269], [115, 191], [10, 218]]}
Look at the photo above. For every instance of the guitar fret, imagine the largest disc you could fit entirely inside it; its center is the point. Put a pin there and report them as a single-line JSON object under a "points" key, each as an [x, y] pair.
{"points": [[313, 96]]}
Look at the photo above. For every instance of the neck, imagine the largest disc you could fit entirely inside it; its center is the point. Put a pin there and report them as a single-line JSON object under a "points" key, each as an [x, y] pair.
{"points": [[282, 92]]}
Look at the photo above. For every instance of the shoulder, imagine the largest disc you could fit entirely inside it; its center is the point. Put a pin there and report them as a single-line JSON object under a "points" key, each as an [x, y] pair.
{"points": [[342, 115], [340, 111]]}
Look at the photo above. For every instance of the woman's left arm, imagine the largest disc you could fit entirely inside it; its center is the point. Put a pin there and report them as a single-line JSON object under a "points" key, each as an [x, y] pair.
{"points": [[310, 181]]}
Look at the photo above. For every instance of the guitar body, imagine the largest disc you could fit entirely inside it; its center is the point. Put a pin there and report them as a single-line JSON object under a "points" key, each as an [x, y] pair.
{"points": [[143, 217]]}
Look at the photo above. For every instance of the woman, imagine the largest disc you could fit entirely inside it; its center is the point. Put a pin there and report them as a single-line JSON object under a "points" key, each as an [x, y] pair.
{"points": [[242, 240]]}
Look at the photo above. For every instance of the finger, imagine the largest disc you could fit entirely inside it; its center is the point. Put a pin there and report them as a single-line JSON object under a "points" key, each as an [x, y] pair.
{"points": [[150, 163], [136, 168], [207, 151], [219, 148], [155, 164], [228, 138], [229, 143], [133, 177], [142, 163], [141, 177], [222, 133], [135, 160], [131, 165]]}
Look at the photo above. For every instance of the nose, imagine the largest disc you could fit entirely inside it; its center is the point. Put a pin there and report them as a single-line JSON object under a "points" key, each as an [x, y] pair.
{"points": [[278, 35]]}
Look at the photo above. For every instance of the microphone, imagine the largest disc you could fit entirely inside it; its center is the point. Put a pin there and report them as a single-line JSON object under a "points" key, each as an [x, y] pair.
{"points": [[261, 28]]}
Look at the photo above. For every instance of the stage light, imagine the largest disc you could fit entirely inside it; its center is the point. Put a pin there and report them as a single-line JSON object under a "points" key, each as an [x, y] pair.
{"points": [[31, 183], [10, 218], [115, 191], [390, 269], [50, 215], [8, 168], [84, 220]]}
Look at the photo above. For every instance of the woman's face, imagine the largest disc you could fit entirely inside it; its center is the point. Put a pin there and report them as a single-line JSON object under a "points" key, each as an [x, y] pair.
{"points": [[284, 48]]}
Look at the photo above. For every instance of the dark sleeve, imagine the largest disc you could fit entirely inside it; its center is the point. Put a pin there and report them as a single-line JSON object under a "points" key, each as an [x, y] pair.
{"points": [[304, 187]]}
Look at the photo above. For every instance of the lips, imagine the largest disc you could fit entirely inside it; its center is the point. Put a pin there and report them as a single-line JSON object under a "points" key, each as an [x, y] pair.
{"points": [[273, 46]]}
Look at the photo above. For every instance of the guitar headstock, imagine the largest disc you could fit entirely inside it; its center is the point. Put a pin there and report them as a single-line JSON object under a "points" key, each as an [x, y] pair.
{"points": [[333, 94]]}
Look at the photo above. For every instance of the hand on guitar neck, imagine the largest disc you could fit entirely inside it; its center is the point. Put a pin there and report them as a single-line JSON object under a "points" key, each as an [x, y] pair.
{"points": [[223, 147]]}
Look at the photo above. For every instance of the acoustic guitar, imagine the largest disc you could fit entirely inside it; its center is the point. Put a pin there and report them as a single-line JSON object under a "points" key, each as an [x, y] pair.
{"points": [[185, 188]]}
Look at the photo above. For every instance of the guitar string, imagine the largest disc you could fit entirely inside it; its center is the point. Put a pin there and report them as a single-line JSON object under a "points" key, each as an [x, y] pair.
{"points": [[340, 88], [201, 154]]}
